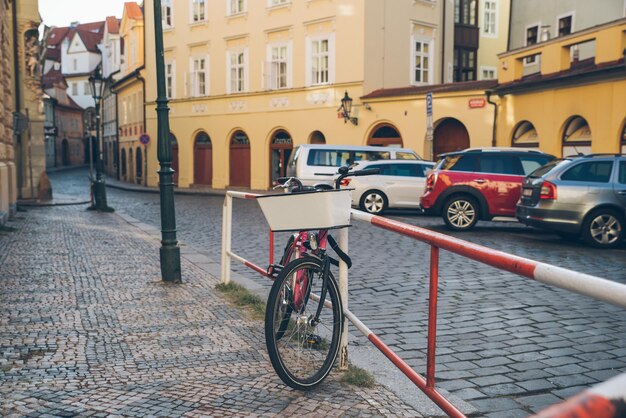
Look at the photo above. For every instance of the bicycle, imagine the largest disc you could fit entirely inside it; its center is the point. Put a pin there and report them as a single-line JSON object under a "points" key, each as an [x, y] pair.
{"points": [[302, 337]]}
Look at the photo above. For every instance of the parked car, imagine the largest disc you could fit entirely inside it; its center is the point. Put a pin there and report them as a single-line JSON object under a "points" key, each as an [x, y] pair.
{"points": [[582, 197], [315, 165], [399, 184], [479, 184]]}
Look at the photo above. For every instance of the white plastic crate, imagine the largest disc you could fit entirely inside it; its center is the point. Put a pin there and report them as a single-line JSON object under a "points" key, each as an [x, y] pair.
{"points": [[306, 211]]}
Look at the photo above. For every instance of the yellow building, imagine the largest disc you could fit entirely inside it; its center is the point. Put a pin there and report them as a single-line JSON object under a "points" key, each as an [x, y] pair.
{"points": [[249, 80], [493, 20], [129, 88], [568, 106]]}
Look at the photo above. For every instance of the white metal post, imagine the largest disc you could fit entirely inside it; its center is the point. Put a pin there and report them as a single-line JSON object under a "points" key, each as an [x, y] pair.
{"points": [[343, 290], [227, 227]]}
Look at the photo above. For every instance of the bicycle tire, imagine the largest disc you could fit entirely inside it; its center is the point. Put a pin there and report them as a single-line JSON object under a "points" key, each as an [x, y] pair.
{"points": [[285, 259], [304, 355]]}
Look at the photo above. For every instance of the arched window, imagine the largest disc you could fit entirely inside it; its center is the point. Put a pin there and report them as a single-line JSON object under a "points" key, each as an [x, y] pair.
{"points": [[576, 137], [525, 135], [138, 166], [203, 159], [317, 137], [386, 136]]}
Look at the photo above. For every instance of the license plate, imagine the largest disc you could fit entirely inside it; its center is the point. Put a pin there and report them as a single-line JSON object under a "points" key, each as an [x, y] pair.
{"points": [[527, 192]]}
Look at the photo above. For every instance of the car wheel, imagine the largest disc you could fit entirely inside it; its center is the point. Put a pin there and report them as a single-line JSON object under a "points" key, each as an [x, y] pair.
{"points": [[460, 213], [374, 202], [603, 228]]}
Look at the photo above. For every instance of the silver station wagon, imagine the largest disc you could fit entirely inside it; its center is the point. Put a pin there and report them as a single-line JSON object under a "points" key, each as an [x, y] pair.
{"points": [[582, 197]]}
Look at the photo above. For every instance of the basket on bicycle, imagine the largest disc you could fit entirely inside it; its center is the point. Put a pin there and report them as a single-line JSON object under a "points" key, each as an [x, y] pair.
{"points": [[323, 209]]}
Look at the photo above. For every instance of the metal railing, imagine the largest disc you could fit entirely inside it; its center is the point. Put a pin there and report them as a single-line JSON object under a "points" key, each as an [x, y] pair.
{"points": [[584, 284]]}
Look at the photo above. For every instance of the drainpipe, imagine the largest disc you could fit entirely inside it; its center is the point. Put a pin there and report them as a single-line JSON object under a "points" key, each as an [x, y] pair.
{"points": [[16, 93], [145, 156], [443, 44], [508, 36], [495, 116]]}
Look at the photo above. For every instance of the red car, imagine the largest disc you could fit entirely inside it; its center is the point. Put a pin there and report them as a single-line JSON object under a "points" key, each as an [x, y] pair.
{"points": [[478, 184]]}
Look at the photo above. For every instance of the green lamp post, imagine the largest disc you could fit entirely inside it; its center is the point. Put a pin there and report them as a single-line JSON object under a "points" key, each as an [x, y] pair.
{"points": [[99, 187], [170, 251]]}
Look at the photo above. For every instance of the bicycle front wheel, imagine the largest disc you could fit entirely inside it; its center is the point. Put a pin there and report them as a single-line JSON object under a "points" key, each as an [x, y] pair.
{"points": [[302, 351]]}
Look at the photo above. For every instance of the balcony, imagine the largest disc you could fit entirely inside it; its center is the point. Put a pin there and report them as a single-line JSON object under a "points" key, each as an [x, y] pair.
{"points": [[465, 36]]}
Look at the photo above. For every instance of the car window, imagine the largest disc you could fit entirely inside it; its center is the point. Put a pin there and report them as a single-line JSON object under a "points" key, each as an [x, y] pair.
{"points": [[622, 172], [499, 164], [404, 170], [546, 168], [459, 163], [405, 156], [384, 169], [591, 171], [371, 155], [328, 158], [532, 162]]}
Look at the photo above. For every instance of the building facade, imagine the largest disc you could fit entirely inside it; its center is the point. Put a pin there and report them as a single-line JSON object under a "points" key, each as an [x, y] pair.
{"points": [[112, 53], [129, 90], [569, 106], [493, 22], [249, 81]]}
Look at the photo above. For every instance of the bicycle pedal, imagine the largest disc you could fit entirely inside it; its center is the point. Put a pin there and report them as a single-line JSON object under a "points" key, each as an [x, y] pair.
{"points": [[273, 270], [313, 340]]}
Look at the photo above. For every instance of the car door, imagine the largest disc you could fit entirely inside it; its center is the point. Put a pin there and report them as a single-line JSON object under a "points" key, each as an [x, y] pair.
{"points": [[619, 187], [500, 182], [407, 180]]}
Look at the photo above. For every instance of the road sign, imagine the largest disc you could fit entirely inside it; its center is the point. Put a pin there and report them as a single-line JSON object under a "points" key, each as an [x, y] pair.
{"points": [[144, 139], [50, 130], [429, 104], [477, 103]]}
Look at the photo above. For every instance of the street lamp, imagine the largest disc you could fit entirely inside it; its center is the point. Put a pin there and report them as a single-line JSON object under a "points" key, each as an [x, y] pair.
{"points": [[99, 188], [346, 109], [170, 251]]}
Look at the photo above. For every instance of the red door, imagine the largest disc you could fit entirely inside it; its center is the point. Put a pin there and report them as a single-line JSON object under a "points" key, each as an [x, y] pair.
{"points": [[203, 160], [450, 135], [240, 165]]}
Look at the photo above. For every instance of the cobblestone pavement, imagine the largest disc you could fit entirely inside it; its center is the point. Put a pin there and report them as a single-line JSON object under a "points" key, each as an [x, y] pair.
{"points": [[506, 344], [87, 328]]}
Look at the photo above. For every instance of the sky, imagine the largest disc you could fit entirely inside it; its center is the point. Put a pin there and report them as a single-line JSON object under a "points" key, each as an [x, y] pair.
{"points": [[63, 12]]}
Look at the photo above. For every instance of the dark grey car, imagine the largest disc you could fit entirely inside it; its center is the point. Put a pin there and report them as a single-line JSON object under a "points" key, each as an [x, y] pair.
{"points": [[583, 197]]}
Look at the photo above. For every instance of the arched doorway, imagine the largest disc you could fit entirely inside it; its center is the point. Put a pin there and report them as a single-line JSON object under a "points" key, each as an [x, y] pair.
{"points": [[131, 172], [280, 150], [65, 152], [450, 135], [240, 160], [174, 144], [123, 164], [576, 137], [525, 136], [202, 159], [385, 135], [138, 166], [317, 137]]}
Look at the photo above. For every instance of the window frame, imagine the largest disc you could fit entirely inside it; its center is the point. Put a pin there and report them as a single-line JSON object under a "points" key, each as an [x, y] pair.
{"points": [[571, 14], [194, 90], [494, 13], [164, 6], [431, 60], [586, 179], [192, 12], [488, 68], [460, 5], [277, 3], [272, 80], [242, 10], [229, 68], [330, 37], [170, 90]]}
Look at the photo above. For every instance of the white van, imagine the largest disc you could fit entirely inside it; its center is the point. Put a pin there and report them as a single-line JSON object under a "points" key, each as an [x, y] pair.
{"points": [[315, 165]]}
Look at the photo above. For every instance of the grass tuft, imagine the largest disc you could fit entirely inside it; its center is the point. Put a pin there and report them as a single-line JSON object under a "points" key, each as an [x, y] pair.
{"points": [[356, 376], [242, 297]]}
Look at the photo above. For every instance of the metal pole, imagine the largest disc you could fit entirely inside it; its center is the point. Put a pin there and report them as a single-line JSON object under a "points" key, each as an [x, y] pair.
{"points": [[170, 251], [343, 291], [432, 316], [99, 186], [227, 211]]}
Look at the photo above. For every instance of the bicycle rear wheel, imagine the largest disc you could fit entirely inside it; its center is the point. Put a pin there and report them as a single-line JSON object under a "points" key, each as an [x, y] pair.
{"points": [[302, 353]]}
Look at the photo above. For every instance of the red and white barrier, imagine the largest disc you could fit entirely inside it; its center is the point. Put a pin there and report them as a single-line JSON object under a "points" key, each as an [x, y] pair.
{"points": [[606, 400]]}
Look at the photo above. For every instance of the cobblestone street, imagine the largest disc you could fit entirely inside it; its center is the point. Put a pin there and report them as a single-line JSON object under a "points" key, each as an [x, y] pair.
{"points": [[88, 328], [507, 345]]}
